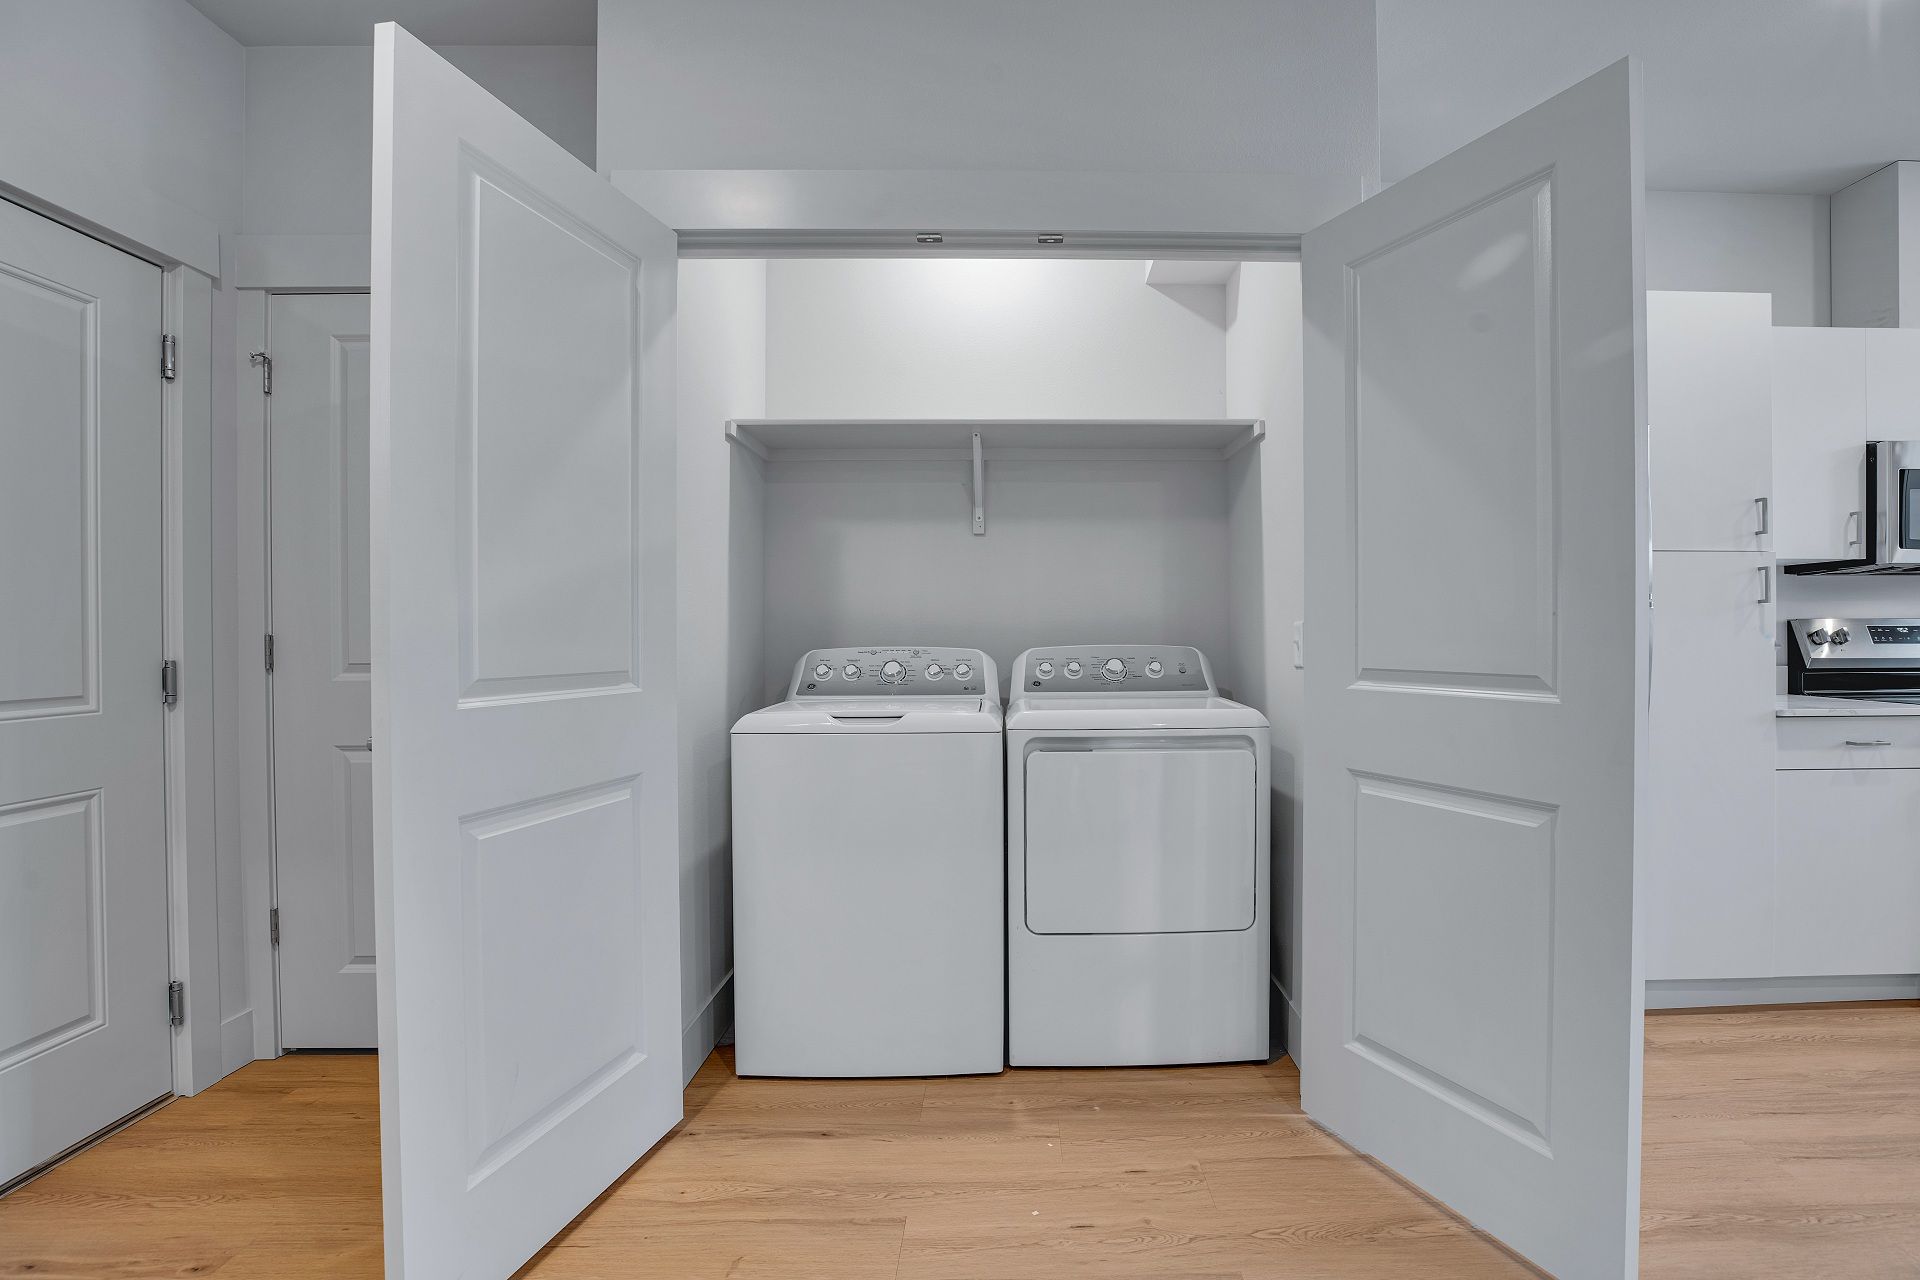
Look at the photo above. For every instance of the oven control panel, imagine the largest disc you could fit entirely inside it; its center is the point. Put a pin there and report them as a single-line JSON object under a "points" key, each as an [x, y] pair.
{"points": [[1881, 642], [1113, 668], [892, 672]]}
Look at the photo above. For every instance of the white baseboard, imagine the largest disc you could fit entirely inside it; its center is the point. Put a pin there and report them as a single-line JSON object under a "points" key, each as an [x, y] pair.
{"points": [[236, 1041], [1688, 993], [707, 1028]]}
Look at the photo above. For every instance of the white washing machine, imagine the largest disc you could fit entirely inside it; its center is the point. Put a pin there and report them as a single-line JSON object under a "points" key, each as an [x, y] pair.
{"points": [[1137, 861], [869, 882]]}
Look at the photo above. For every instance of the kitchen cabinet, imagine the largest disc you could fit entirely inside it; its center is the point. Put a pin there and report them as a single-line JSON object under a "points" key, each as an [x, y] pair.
{"points": [[1819, 442], [1710, 415], [1893, 384], [1848, 869], [1709, 871]]}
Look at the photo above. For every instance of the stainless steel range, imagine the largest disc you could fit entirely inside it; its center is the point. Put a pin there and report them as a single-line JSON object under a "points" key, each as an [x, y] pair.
{"points": [[1871, 658]]}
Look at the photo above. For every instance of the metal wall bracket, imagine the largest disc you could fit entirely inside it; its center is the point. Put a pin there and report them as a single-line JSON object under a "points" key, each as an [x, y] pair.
{"points": [[979, 489]]}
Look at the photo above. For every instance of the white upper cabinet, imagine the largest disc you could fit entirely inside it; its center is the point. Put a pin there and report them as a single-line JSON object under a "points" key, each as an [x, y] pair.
{"points": [[1709, 416], [1893, 384], [1819, 442]]}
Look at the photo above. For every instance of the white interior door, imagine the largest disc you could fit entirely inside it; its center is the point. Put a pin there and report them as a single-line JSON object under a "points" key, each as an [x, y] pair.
{"points": [[526, 874], [322, 713], [1476, 698], [83, 855]]}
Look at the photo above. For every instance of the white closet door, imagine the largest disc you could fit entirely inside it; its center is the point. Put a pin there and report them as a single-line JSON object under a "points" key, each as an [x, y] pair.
{"points": [[322, 716], [1476, 695], [83, 847], [526, 874]]}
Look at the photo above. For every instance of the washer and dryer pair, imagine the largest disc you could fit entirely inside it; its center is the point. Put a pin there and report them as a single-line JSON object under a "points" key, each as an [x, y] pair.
{"points": [[925, 887]]}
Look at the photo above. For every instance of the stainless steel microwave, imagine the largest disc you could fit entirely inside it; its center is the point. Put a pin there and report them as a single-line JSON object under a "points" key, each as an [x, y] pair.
{"points": [[1890, 514]]}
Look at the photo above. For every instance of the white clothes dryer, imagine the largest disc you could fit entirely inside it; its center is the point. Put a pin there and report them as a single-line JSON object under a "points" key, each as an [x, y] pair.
{"points": [[1138, 818], [868, 869]]}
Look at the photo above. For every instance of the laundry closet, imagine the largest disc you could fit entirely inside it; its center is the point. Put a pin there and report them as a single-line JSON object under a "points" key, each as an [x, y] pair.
{"points": [[989, 453]]}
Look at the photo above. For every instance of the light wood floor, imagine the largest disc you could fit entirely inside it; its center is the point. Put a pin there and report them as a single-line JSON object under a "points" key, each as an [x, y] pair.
{"points": [[1779, 1143]]}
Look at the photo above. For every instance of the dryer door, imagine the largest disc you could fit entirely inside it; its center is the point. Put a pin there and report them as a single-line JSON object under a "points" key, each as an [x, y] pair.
{"points": [[1141, 838]]}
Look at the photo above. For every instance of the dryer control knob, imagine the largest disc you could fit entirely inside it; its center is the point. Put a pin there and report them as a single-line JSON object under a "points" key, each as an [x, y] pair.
{"points": [[935, 671], [893, 671], [1154, 668], [1113, 669], [822, 671], [1073, 670], [1044, 670], [851, 671], [962, 670]]}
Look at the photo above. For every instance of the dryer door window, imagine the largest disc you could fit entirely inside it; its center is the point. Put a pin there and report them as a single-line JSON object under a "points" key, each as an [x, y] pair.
{"points": [[1141, 839]]}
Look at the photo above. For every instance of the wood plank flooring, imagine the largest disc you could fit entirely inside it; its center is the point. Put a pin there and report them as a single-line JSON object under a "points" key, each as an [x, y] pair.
{"points": [[1780, 1143]]}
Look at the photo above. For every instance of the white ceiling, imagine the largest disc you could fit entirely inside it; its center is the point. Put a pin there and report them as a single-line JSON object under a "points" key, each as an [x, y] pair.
{"points": [[271, 22], [1740, 95]]}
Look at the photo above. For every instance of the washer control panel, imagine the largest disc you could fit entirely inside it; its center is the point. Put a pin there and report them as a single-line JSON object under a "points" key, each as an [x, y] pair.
{"points": [[892, 672], [1132, 668]]}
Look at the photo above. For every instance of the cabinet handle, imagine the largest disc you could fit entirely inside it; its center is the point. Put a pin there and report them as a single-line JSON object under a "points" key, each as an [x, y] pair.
{"points": [[1869, 742], [1853, 523], [1766, 584], [1766, 517]]}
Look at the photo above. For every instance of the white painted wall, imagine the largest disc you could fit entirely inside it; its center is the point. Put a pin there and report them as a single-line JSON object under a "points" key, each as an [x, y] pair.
{"points": [[125, 112], [934, 338], [1267, 568], [748, 102], [309, 124], [1083, 549], [722, 374], [1742, 242], [1075, 550], [1739, 95]]}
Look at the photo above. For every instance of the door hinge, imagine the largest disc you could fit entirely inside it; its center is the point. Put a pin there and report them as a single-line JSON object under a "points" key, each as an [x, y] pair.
{"points": [[169, 682], [265, 362], [177, 1003], [169, 353], [269, 647], [273, 926]]}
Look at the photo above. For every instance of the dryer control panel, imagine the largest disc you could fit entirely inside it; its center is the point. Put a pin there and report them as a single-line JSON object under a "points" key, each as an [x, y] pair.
{"points": [[895, 672], [1113, 668]]}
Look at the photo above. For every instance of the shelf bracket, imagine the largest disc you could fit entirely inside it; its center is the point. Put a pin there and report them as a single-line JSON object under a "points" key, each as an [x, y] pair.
{"points": [[979, 490]]}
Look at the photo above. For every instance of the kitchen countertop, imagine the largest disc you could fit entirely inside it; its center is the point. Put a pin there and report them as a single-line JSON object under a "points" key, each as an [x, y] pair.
{"points": [[1804, 704]]}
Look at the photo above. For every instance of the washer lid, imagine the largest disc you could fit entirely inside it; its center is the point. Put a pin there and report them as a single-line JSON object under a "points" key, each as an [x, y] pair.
{"points": [[1131, 711], [875, 715]]}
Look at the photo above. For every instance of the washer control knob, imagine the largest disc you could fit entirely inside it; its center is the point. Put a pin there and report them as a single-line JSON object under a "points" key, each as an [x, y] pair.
{"points": [[822, 670], [935, 671], [1154, 668], [963, 670], [1113, 669], [1073, 669], [1817, 636], [1043, 669], [851, 671], [893, 671], [1840, 635]]}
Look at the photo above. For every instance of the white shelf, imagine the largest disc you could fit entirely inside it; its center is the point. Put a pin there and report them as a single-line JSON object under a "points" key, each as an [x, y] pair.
{"points": [[800, 438]]}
